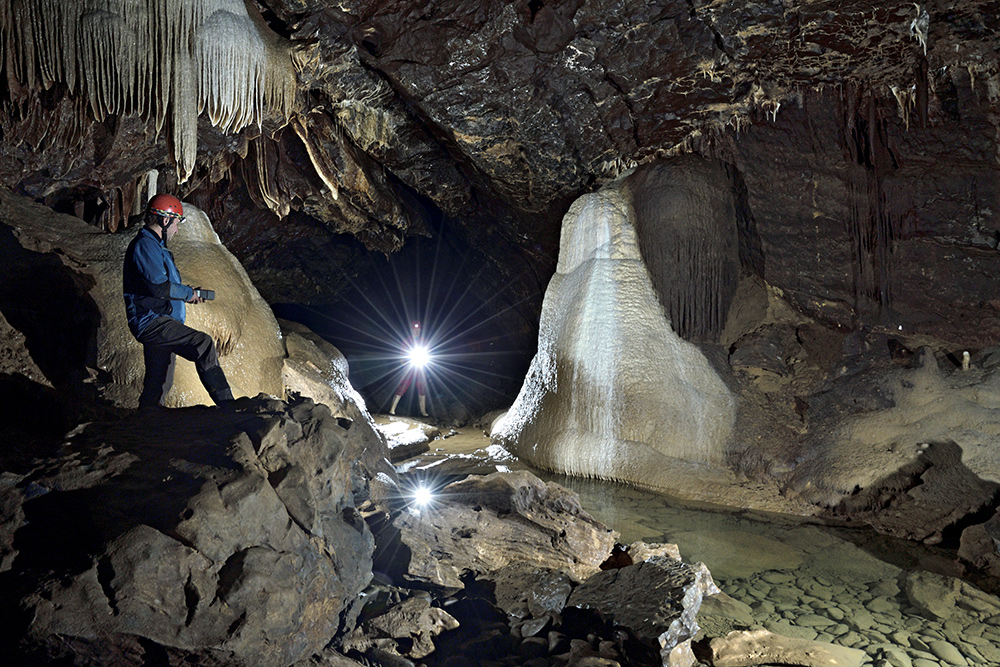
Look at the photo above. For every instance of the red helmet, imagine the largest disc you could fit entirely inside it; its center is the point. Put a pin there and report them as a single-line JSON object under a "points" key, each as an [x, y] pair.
{"points": [[167, 205]]}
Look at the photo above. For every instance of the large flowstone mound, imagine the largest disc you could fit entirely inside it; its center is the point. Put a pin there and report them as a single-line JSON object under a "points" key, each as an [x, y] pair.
{"points": [[62, 289], [614, 391]]}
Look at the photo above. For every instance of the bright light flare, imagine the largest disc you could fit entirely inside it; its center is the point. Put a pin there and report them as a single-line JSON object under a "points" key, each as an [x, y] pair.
{"points": [[422, 496], [419, 356]]}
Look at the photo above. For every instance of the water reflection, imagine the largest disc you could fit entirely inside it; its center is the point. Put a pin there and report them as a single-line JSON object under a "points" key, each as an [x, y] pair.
{"points": [[807, 580], [797, 577]]}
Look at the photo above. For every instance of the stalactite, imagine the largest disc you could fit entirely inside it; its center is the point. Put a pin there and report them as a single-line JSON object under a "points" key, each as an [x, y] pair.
{"points": [[259, 175], [686, 222], [872, 227], [156, 58], [321, 160]]}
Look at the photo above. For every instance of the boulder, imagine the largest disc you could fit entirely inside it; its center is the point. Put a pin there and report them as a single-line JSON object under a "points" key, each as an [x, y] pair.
{"points": [[224, 536], [501, 522], [315, 368], [935, 595], [655, 601], [406, 437], [939, 597], [980, 546], [413, 620]]}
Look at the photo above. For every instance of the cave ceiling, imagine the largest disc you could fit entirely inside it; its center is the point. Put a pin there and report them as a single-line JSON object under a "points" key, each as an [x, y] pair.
{"points": [[864, 135]]}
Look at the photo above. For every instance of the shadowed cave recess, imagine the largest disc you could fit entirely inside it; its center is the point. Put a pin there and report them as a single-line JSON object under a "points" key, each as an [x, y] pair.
{"points": [[743, 254]]}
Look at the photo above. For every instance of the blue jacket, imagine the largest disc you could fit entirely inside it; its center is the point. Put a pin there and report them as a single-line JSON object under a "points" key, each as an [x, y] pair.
{"points": [[151, 282]]}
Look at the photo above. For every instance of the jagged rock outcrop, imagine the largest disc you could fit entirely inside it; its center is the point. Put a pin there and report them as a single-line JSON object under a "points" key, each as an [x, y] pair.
{"points": [[315, 369], [656, 601], [227, 536], [412, 623], [912, 451], [980, 546]]}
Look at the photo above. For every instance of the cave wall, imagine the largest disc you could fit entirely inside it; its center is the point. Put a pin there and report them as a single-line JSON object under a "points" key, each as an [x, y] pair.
{"points": [[867, 222]]}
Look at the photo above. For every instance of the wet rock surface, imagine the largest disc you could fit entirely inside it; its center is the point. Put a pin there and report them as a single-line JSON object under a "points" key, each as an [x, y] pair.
{"points": [[921, 619], [152, 535], [482, 525]]}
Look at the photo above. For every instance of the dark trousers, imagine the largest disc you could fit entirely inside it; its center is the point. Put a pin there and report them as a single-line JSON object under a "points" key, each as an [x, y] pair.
{"points": [[164, 338]]}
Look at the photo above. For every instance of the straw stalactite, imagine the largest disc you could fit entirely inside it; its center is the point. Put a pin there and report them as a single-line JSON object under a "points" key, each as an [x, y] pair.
{"points": [[873, 227], [157, 58], [687, 225]]}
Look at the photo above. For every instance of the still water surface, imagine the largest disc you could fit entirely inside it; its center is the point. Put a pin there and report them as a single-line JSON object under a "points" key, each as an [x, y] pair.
{"points": [[799, 578]]}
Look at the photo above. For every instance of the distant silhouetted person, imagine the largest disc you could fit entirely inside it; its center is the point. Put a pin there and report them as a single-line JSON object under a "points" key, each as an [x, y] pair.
{"points": [[418, 358], [154, 304]]}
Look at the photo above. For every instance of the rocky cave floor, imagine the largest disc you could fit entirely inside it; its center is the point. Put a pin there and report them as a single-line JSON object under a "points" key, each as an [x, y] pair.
{"points": [[901, 604], [783, 565]]}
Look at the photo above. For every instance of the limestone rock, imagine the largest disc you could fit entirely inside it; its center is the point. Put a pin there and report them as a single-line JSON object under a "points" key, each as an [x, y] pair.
{"points": [[933, 594], [980, 546], [640, 551], [721, 614], [414, 620], [940, 597], [912, 451], [315, 368], [153, 531], [656, 601], [14, 356], [11, 516], [761, 647], [502, 521], [613, 391], [406, 437]]}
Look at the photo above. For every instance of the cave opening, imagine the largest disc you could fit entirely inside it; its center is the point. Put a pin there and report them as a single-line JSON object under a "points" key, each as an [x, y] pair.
{"points": [[479, 342]]}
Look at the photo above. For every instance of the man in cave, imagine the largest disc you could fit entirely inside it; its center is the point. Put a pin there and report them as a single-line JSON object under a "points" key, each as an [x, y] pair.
{"points": [[155, 306], [418, 358]]}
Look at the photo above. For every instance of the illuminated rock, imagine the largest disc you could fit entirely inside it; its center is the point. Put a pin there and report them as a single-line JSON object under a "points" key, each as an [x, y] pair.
{"points": [[76, 270], [245, 330], [503, 522], [613, 391]]}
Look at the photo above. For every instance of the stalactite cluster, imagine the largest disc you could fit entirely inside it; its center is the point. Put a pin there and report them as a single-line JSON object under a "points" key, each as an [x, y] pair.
{"points": [[689, 239], [260, 175], [871, 226], [168, 60]]}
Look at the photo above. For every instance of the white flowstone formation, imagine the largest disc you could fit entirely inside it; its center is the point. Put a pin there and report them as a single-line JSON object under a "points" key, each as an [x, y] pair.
{"points": [[613, 391], [245, 330]]}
